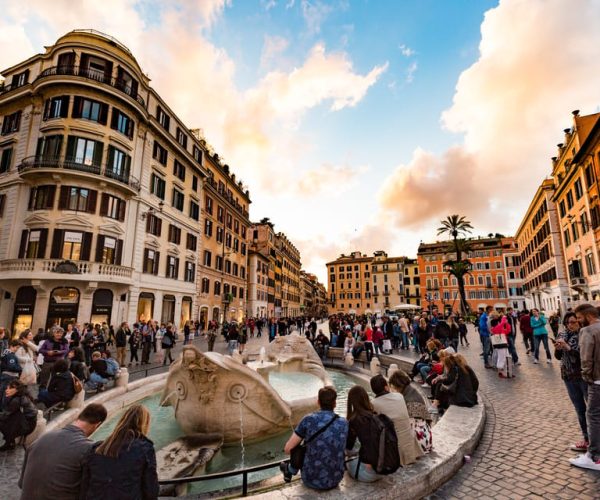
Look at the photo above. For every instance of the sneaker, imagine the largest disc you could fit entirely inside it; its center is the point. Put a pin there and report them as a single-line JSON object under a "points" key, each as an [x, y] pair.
{"points": [[585, 461], [433, 411], [535, 361], [424, 385], [580, 446], [287, 475], [549, 361]]}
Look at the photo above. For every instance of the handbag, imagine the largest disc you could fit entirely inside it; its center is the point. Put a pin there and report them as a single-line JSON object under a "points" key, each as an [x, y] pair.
{"points": [[499, 341], [387, 345], [298, 452], [77, 385]]}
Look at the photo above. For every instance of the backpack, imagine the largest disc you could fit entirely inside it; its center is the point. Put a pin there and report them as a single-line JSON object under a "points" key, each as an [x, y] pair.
{"points": [[383, 434]]}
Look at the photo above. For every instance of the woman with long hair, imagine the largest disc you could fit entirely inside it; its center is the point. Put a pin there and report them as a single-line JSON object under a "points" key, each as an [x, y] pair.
{"points": [[27, 356], [359, 413], [123, 466], [460, 385], [18, 415]]}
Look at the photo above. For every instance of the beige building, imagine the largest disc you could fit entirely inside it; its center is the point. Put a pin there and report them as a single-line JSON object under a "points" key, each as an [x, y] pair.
{"points": [[545, 282], [576, 199], [101, 186], [290, 276], [388, 281], [349, 284], [223, 263], [313, 296], [412, 282], [258, 285]]}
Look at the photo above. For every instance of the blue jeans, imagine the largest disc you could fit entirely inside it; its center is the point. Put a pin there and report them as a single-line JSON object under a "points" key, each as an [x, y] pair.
{"points": [[577, 390], [405, 343], [232, 345], [485, 342], [593, 420], [512, 348], [424, 371], [537, 340], [361, 472]]}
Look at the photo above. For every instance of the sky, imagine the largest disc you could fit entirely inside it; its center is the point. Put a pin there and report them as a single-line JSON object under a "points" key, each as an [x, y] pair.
{"points": [[357, 124]]}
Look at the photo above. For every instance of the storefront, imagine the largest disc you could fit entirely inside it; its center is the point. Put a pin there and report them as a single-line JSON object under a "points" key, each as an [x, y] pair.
{"points": [[186, 311], [23, 310], [215, 314], [102, 306], [203, 318], [168, 310], [145, 309], [63, 307]]}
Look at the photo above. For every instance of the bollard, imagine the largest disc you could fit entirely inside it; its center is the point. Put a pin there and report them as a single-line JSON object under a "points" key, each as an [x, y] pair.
{"points": [[393, 368], [375, 366], [123, 379]]}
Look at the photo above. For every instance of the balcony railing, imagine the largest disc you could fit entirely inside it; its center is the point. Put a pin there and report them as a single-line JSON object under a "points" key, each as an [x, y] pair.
{"points": [[33, 162], [110, 271], [97, 76], [214, 184], [7, 88]]}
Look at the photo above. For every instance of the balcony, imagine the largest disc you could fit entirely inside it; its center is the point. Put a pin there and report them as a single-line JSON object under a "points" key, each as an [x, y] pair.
{"points": [[40, 164], [60, 269], [210, 181], [95, 75], [386, 294]]}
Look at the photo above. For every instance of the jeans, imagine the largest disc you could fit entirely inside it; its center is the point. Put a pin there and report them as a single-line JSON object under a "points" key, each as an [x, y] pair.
{"points": [[485, 341], [232, 346], [537, 339], [512, 348], [361, 472], [578, 390], [405, 343], [593, 420], [96, 380], [424, 371]]}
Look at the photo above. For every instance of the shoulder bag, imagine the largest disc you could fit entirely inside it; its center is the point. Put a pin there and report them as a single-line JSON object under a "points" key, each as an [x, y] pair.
{"points": [[299, 451]]}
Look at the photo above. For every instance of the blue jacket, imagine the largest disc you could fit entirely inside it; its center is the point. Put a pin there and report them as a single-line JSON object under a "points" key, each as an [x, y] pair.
{"points": [[538, 325], [483, 326], [10, 363]]}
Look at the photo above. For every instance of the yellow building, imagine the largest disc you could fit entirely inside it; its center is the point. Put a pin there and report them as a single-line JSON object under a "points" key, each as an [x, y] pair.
{"points": [[545, 282], [101, 187], [349, 284], [388, 281], [223, 269], [290, 276], [576, 197]]}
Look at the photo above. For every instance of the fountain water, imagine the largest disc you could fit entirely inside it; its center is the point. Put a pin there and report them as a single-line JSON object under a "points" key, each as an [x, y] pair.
{"points": [[243, 449], [261, 355], [168, 396]]}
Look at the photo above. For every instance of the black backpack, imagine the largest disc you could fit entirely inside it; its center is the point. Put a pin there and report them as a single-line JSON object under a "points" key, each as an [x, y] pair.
{"points": [[383, 434]]}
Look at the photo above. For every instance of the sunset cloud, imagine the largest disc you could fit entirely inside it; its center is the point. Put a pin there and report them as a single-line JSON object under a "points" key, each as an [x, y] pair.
{"points": [[510, 106]]}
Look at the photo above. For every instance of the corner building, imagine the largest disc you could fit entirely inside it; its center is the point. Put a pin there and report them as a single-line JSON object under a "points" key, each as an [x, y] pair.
{"points": [[100, 191], [349, 284]]}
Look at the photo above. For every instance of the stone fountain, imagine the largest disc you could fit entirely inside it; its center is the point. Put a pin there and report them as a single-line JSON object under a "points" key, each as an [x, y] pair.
{"points": [[214, 394]]}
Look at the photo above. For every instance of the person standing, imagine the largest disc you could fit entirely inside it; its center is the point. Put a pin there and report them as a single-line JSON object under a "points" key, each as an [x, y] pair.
{"points": [[124, 464], [462, 330], [484, 335], [323, 467], [567, 352], [135, 340], [589, 350], [43, 477], [168, 343], [540, 334], [526, 330], [121, 342]]}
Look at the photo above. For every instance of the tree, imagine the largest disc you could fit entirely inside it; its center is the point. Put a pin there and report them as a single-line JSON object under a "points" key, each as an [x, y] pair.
{"points": [[456, 226]]}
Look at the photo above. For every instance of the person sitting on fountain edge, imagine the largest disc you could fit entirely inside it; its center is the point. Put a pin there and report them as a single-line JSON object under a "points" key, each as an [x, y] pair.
{"points": [[323, 467]]}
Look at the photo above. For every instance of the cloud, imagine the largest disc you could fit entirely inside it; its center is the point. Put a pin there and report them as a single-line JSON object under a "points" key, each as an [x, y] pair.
{"points": [[331, 179], [268, 4], [510, 107], [410, 72], [406, 51], [273, 47], [314, 13]]}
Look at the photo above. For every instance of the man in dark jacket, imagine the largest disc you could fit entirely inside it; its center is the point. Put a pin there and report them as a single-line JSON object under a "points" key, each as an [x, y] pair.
{"points": [[121, 342], [10, 369], [61, 387], [43, 477], [526, 330]]}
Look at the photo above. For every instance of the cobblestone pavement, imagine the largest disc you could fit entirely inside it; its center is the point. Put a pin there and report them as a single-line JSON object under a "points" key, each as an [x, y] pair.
{"points": [[525, 447]]}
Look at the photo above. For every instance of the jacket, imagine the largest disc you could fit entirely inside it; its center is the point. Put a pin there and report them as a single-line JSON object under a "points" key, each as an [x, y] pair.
{"points": [[9, 364], [538, 325], [359, 427], [589, 351], [483, 325], [130, 476], [121, 337], [467, 385], [62, 385], [61, 348], [525, 324]]}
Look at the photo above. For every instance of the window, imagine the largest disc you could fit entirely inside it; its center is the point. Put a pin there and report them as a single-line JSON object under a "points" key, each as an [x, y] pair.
{"points": [[151, 261], [174, 234], [220, 213], [5, 159], [112, 207], [217, 290], [236, 245], [570, 199], [208, 205], [20, 79], [208, 225], [2, 204], [236, 269], [109, 250], [172, 267], [84, 151], [121, 123], [181, 137], [243, 249], [194, 182], [177, 199], [207, 261], [198, 154], [227, 266], [72, 245], [243, 272], [157, 186], [236, 226], [229, 221], [228, 240], [575, 231], [194, 210], [178, 170], [57, 107], [89, 109], [190, 272], [153, 224], [33, 244], [563, 210], [241, 293], [219, 263], [220, 234], [243, 232], [11, 123], [78, 199], [163, 118], [589, 176], [585, 224], [191, 242], [118, 164], [589, 261], [567, 237], [42, 197], [159, 153], [205, 286], [578, 189], [49, 146]]}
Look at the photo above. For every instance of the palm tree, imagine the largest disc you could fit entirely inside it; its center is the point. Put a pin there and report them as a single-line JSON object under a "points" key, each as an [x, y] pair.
{"points": [[456, 226]]}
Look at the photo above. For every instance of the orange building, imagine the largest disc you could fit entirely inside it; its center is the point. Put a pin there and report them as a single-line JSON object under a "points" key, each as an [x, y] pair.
{"points": [[485, 285]]}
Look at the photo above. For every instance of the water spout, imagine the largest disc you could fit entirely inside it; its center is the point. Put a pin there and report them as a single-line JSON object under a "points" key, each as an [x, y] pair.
{"points": [[167, 397], [261, 355]]}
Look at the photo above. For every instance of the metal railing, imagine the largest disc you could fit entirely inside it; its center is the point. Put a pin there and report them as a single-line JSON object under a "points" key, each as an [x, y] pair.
{"points": [[33, 162], [96, 75]]}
